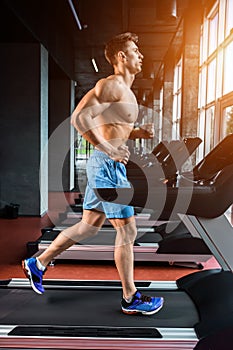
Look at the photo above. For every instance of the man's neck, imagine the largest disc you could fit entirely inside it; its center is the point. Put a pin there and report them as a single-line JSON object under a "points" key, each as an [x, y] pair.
{"points": [[126, 77]]}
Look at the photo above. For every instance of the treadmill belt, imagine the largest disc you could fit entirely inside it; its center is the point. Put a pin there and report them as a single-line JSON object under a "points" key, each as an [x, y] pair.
{"points": [[103, 332], [91, 308]]}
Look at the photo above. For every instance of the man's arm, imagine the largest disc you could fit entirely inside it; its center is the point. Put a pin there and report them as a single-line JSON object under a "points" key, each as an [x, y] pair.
{"points": [[145, 131], [85, 117]]}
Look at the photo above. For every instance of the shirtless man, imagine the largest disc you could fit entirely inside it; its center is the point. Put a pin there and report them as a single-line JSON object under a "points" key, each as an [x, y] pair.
{"points": [[105, 117]]}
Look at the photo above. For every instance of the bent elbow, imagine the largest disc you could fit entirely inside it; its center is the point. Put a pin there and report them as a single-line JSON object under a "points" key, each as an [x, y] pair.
{"points": [[72, 120], [75, 121]]}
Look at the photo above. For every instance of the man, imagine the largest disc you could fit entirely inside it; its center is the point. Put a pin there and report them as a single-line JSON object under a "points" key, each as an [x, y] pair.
{"points": [[105, 117]]}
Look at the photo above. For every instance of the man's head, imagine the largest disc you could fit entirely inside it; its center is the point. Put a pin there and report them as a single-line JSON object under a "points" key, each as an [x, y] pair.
{"points": [[118, 43]]}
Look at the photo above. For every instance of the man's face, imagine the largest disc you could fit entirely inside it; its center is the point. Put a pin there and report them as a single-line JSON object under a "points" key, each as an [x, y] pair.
{"points": [[133, 58]]}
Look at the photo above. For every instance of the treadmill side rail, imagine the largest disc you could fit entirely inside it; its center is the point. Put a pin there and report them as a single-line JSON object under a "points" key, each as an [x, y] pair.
{"points": [[96, 284], [216, 233], [170, 338]]}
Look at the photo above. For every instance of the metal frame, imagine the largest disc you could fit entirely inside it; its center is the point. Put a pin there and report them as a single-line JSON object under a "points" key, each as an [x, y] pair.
{"points": [[90, 250], [217, 233]]}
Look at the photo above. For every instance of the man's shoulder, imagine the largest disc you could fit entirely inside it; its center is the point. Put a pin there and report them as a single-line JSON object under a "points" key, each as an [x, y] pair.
{"points": [[109, 87], [108, 81]]}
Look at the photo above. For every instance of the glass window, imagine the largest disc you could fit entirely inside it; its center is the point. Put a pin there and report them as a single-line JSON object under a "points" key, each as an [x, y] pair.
{"points": [[178, 116], [179, 68], [209, 129], [83, 148], [229, 17], [228, 69], [174, 108], [202, 87], [211, 82], [177, 101], [227, 121], [219, 74], [216, 74], [201, 46], [201, 134], [205, 40], [213, 33], [160, 135]]}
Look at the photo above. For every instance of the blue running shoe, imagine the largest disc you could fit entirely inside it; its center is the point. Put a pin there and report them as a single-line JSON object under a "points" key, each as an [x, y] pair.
{"points": [[142, 304], [34, 274]]}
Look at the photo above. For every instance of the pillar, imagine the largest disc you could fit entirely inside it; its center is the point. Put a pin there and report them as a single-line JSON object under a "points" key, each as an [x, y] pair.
{"points": [[168, 98], [190, 74], [23, 132]]}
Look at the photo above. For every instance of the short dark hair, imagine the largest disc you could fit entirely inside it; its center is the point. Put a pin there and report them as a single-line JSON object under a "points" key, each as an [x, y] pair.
{"points": [[118, 43]]}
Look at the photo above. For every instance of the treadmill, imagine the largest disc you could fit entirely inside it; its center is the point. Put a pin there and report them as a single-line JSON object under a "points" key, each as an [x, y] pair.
{"points": [[198, 308], [152, 244], [156, 241]]}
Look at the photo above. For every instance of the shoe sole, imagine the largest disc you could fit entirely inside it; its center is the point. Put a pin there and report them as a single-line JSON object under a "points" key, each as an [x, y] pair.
{"points": [[28, 274], [134, 312]]}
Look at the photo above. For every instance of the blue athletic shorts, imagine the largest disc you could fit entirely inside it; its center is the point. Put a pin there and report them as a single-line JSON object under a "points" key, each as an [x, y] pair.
{"points": [[103, 172]]}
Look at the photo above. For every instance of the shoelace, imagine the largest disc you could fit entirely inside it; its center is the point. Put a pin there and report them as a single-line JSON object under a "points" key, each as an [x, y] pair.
{"points": [[145, 298]]}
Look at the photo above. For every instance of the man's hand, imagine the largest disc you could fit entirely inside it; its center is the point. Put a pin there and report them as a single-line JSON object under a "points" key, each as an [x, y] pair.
{"points": [[121, 154], [147, 131]]}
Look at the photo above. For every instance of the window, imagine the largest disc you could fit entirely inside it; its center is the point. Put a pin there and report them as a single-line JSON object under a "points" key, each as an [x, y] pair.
{"points": [[216, 74], [213, 33], [229, 17], [83, 148], [211, 82], [160, 126], [209, 129], [176, 115], [201, 133], [228, 69], [202, 87], [227, 120]]}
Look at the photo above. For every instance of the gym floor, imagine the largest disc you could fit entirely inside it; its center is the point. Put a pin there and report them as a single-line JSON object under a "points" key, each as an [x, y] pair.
{"points": [[15, 233]]}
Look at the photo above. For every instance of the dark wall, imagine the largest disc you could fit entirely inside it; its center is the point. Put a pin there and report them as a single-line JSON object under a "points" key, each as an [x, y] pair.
{"points": [[50, 22], [20, 125], [24, 26], [59, 134]]}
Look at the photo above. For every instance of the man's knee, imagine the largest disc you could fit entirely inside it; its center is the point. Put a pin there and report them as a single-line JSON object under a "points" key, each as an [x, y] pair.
{"points": [[80, 231], [126, 234]]}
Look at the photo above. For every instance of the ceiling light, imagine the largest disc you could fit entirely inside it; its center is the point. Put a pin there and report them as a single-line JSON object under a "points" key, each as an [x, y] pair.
{"points": [[75, 14], [166, 9], [94, 65]]}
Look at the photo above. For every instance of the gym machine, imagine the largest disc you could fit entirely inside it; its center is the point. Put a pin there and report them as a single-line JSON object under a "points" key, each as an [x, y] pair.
{"points": [[198, 309], [156, 240]]}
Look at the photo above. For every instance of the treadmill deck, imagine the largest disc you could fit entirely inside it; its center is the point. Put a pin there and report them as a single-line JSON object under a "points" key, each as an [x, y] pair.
{"points": [[85, 311]]}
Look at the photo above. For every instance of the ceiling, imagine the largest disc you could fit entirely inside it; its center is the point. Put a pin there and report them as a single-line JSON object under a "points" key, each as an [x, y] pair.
{"points": [[152, 20], [159, 28]]}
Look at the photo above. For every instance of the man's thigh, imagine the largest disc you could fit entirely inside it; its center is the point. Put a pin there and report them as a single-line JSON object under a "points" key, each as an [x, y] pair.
{"points": [[93, 217]]}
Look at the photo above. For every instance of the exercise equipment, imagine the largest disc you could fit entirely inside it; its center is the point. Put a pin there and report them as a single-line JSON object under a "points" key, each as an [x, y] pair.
{"points": [[163, 164], [198, 307], [154, 242], [200, 188], [61, 318]]}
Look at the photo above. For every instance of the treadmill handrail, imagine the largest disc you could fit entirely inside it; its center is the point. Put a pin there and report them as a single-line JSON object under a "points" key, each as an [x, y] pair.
{"points": [[209, 199]]}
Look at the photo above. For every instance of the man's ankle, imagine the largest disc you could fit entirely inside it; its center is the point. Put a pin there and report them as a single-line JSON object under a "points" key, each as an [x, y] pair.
{"points": [[129, 297], [39, 265]]}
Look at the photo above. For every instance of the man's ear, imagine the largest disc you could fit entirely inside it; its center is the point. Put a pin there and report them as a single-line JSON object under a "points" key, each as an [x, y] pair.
{"points": [[121, 55]]}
